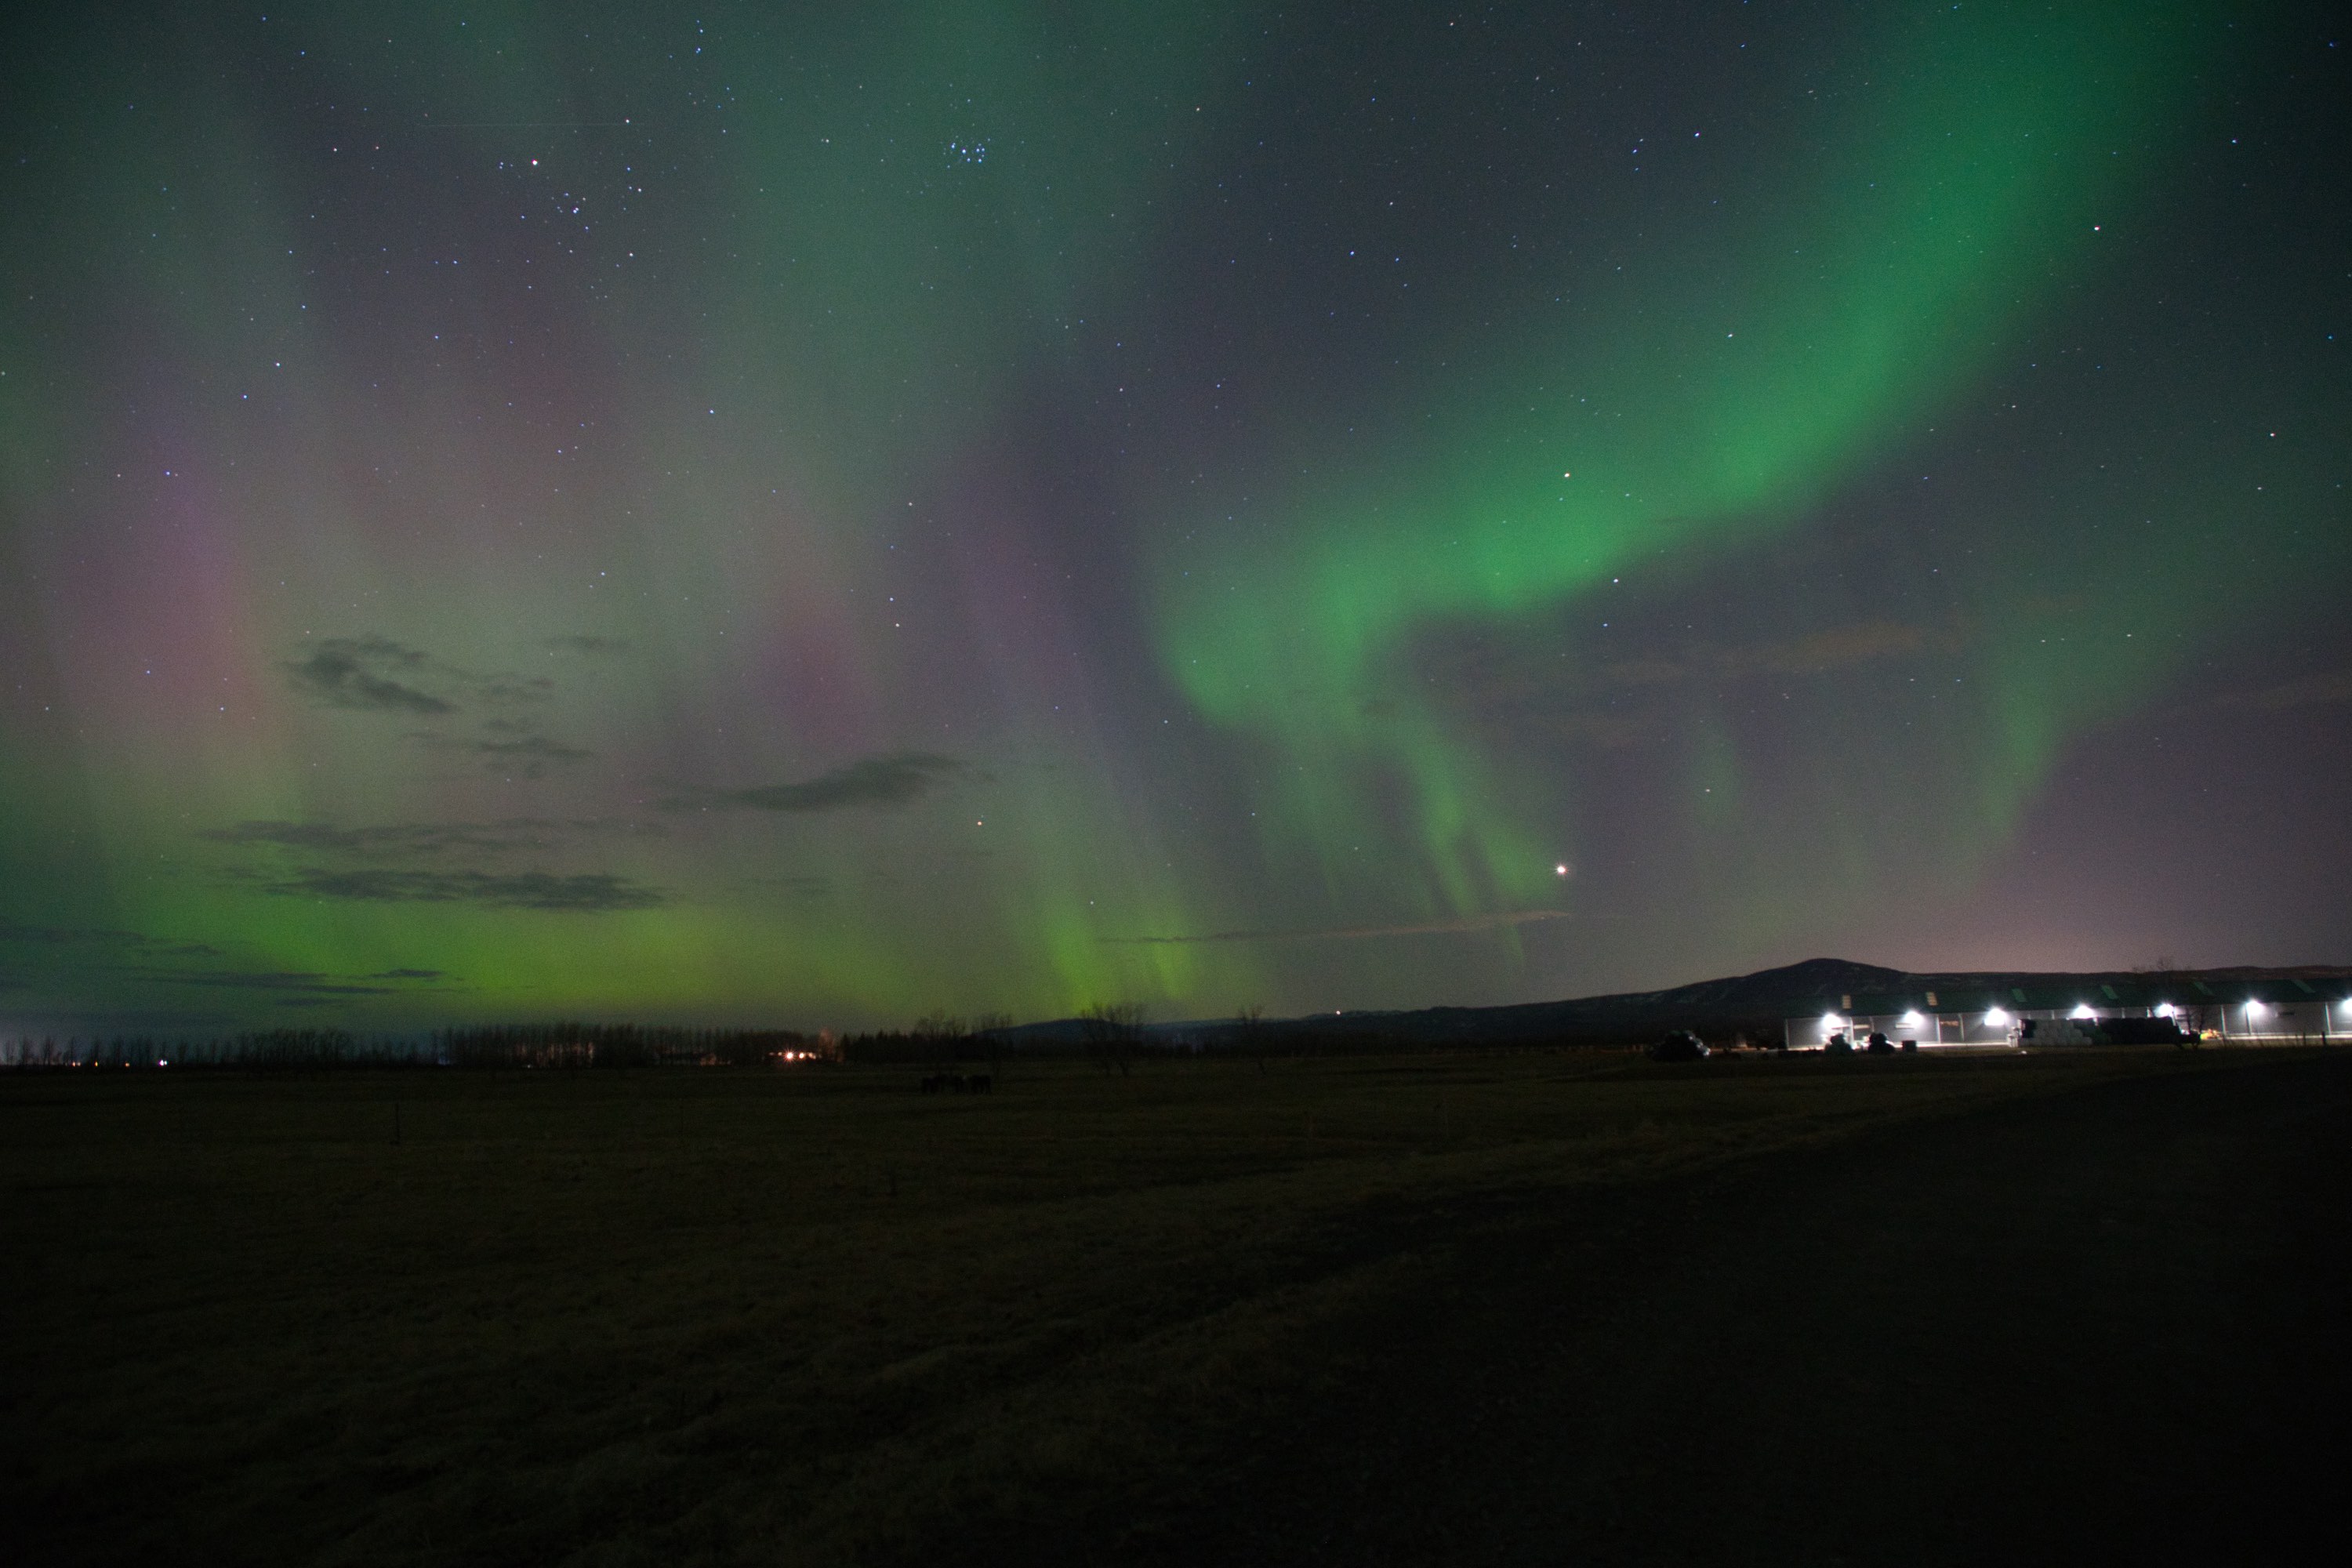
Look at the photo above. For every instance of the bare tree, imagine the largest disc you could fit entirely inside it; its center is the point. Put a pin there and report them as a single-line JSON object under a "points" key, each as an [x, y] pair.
{"points": [[1249, 1032], [1114, 1033], [941, 1034], [988, 1030]]}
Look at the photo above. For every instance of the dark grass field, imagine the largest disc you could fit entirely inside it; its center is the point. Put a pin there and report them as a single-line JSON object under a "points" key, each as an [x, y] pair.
{"points": [[1502, 1309]]}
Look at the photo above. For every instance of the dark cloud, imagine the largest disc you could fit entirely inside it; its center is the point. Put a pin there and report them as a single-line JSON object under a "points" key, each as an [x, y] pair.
{"points": [[426, 840], [293, 982], [373, 674], [138, 960], [603, 647], [583, 893], [369, 674], [59, 936], [301, 983], [132, 941], [394, 841], [404, 880], [895, 780], [1349, 934]]}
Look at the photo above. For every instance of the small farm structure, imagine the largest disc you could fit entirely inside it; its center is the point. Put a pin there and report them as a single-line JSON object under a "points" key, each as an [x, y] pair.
{"points": [[2279, 1011]]}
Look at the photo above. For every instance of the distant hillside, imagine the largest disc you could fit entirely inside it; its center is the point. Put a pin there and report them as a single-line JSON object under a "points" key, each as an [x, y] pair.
{"points": [[1755, 1003]]}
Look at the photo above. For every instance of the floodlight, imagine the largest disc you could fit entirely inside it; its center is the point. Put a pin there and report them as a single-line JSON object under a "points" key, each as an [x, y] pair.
{"points": [[1996, 1018], [2166, 1010], [2256, 1009], [1912, 1020], [2082, 1010]]}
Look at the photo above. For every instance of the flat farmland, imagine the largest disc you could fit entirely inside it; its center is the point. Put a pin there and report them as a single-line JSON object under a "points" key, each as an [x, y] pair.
{"points": [[1468, 1307]]}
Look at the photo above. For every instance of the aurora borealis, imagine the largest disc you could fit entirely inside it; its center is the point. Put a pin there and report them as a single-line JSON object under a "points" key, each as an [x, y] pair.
{"points": [[815, 516]]}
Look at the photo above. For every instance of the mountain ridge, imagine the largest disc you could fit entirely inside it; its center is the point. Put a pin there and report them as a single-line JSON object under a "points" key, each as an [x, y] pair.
{"points": [[1755, 1002]]}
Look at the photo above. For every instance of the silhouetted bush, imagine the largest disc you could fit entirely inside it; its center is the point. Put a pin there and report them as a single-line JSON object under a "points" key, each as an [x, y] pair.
{"points": [[1679, 1045]]}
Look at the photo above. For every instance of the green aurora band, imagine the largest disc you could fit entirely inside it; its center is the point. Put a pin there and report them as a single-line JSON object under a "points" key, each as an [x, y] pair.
{"points": [[549, 432], [1739, 367]]}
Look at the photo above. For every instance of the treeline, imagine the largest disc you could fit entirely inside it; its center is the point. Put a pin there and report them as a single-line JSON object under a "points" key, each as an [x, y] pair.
{"points": [[262, 1050], [1114, 1038], [560, 1044], [622, 1045], [937, 1039]]}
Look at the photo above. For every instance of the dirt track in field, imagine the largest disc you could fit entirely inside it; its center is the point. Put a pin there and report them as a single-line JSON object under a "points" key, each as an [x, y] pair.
{"points": [[2105, 1325]]}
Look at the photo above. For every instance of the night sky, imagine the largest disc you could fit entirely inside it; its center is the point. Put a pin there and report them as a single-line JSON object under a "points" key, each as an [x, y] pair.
{"points": [[813, 515]]}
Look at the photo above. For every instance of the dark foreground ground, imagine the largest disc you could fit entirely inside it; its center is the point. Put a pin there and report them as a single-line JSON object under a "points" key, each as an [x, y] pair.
{"points": [[2111, 1325], [1526, 1309]]}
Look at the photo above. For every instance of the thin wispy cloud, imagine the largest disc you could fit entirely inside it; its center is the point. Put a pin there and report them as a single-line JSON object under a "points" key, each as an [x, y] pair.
{"points": [[393, 841], [532, 752], [592, 892], [511, 690], [132, 941], [800, 886], [1500, 920], [898, 779], [410, 863], [428, 840], [528, 754], [1813, 653], [1503, 674], [296, 982], [2311, 692]]}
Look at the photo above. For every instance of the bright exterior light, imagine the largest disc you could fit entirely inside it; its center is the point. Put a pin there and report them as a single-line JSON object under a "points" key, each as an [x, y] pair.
{"points": [[2082, 1010], [2165, 1009], [1832, 1023], [1996, 1018], [2255, 1010], [1912, 1020]]}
